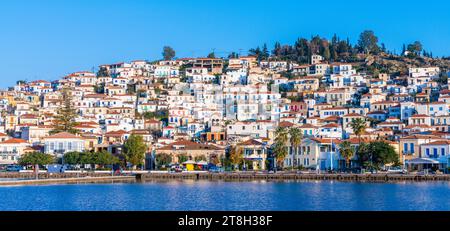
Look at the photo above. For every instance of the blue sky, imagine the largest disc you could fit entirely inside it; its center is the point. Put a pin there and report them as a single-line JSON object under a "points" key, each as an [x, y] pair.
{"points": [[47, 39]]}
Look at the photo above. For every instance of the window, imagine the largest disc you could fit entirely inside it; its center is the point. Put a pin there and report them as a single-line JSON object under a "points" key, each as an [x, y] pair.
{"points": [[435, 152], [411, 145], [442, 151], [427, 151]]}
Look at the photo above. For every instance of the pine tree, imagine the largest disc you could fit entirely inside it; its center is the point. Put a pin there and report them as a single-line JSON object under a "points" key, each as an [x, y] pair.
{"points": [[265, 52], [326, 53], [64, 121], [334, 40], [333, 54], [276, 49], [383, 47]]}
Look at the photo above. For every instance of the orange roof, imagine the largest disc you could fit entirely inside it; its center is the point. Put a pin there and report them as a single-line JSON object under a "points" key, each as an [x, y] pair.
{"points": [[116, 133], [352, 114], [331, 125], [28, 116], [251, 142], [417, 136], [355, 140], [63, 135], [326, 140], [14, 141], [332, 118], [308, 126], [419, 115], [439, 142], [285, 124], [189, 145]]}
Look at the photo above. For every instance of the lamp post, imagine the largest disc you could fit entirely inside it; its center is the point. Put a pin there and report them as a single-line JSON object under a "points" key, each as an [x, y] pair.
{"points": [[331, 155], [403, 160]]}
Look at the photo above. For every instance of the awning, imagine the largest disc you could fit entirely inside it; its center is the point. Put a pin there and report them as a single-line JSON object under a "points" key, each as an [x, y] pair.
{"points": [[190, 162], [422, 161], [256, 158], [202, 163]]}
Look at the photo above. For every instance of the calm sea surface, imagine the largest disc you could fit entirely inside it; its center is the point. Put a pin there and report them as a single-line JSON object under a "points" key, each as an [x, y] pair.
{"points": [[207, 195]]}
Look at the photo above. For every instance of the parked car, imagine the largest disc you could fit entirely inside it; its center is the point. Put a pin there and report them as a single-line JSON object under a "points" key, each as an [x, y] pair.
{"points": [[14, 168], [215, 169], [396, 170], [176, 168]]}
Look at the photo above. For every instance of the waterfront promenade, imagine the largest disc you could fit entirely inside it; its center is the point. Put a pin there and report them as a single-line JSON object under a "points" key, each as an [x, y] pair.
{"points": [[103, 179], [243, 176], [16, 178]]}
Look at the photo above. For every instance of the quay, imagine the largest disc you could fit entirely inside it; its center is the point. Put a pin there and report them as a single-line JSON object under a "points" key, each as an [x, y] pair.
{"points": [[380, 177], [104, 179], [92, 177]]}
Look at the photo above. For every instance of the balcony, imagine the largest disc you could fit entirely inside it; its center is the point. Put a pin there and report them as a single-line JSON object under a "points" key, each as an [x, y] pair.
{"points": [[59, 151], [8, 153]]}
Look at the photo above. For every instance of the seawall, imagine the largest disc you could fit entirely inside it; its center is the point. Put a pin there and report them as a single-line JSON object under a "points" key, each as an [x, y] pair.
{"points": [[91, 177], [296, 176], [106, 179]]}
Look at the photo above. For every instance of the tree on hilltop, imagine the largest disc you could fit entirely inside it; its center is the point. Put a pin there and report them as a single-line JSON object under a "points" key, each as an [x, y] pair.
{"points": [[168, 53], [368, 42]]}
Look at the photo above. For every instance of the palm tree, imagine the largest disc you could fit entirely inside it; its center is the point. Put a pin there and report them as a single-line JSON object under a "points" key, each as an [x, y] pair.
{"points": [[296, 137], [359, 126], [346, 150], [281, 138]]}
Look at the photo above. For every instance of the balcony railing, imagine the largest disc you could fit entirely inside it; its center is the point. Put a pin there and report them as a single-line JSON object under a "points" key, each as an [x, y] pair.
{"points": [[6, 153]]}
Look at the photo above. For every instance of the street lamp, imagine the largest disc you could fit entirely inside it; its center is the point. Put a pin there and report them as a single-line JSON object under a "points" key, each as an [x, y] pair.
{"points": [[403, 160]]}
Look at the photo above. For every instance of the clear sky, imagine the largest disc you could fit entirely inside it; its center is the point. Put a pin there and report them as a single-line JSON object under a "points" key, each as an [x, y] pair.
{"points": [[47, 39]]}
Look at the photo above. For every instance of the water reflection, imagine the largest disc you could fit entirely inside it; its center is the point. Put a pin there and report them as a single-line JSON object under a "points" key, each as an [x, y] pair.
{"points": [[184, 195]]}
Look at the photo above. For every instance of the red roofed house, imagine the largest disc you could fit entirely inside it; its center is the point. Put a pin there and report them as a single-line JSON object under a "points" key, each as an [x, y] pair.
{"points": [[12, 149], [63, 142], [319, 153], [436, 153], [192, 150], [255, 154], [332, 130]]}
